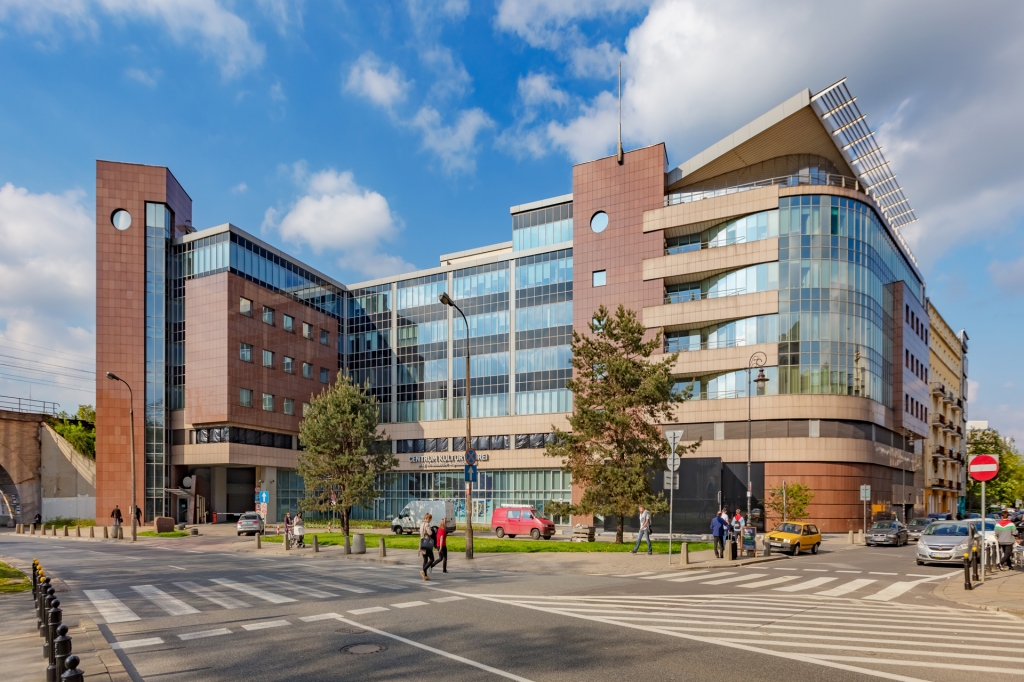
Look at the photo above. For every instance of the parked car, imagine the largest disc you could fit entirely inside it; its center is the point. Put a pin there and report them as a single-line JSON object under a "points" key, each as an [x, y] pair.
{"points": [[410, 518], [887, 533], [520, 519], [917, 526], [793, 537], [941, 516], [946, 541], [250, 523]]}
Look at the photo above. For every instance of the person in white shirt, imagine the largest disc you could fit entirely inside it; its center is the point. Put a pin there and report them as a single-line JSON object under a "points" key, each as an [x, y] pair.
{"points": [[645, 527]]}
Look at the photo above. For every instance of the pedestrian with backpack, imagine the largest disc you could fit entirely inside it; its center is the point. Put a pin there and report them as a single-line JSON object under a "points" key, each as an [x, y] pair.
{"points": [[442, 547], [426, 545], [719, 531]]}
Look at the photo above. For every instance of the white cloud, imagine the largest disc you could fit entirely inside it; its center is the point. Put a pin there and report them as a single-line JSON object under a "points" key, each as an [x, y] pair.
{"points": [[337, 215], [217, 32], [456, 145], [285, 14], [590, 135], [427, 15], [599, 61], [525, 138], [382, 84], [147, 78], [537, 89], [277, 92], [452, 78], [552, 23], [47, 289], [240, 188]]}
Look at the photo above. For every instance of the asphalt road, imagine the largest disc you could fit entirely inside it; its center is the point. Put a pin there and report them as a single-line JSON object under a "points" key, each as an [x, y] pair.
{"points": [[850, 614]]}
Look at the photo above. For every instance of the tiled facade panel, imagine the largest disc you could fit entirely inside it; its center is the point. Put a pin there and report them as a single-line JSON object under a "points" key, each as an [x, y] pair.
{"points": [[207, 312], [836, 506], [624, 193], [120, 320], [905, 381]]}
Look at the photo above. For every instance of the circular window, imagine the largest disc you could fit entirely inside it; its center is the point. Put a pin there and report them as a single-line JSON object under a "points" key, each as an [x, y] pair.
{"points": [[122, 219], [599, 221]]}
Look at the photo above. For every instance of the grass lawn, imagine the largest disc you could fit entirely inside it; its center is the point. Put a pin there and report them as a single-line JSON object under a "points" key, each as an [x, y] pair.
{"points": [[13, 580], [493, 545], [170, 534], [62, 521]]}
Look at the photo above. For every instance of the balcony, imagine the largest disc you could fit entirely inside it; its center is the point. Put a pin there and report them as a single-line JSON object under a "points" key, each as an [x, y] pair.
{"points": [[938, 389], [705, 311], [938, 418], [816, 178]]}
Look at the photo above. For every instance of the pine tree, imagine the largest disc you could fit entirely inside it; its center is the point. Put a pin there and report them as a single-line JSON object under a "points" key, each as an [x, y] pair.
{"points": [[344, 452], [620, 397]]}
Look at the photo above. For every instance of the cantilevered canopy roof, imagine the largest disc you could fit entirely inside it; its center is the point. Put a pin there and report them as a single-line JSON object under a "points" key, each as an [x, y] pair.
{"points": [[827, 124]]}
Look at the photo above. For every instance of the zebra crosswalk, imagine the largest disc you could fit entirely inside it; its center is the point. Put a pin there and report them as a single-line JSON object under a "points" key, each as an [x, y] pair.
{"points": [[876, 638], [870, 589]]}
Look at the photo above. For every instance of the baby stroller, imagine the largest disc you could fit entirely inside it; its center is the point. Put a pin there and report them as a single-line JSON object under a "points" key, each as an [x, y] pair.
{"points": [[295, 539]]}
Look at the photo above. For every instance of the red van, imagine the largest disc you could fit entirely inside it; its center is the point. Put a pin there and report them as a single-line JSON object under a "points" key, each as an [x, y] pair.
{"points": [[520, 519]]}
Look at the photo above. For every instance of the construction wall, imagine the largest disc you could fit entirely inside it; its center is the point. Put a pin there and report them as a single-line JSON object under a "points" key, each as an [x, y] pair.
{"points": [[68, 478]]}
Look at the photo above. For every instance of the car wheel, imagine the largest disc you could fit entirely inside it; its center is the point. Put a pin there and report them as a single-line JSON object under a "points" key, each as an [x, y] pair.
{"points": [[239, 533], [868, 544], [814, 549], [535, 534], [397, 530], [499, 531], [920, 563], [796, 550]]}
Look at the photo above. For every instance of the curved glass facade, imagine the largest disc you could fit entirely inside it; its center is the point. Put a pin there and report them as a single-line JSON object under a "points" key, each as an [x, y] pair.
{"points": [[748, 280], [743, 332], [749, 228], [837, 263]]}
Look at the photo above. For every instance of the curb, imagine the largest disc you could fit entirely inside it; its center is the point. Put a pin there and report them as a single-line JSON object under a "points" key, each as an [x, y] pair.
{"points": [[939, 592]]}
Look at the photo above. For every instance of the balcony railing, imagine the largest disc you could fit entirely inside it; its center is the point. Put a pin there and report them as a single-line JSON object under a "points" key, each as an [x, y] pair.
{"points": [[690, 347], [783, 181], [694, 295], [14, 404]]}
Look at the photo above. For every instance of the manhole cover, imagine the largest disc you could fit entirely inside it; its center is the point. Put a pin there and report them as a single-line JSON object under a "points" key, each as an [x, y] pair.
{"points": [[350, 631], [367, 648]]}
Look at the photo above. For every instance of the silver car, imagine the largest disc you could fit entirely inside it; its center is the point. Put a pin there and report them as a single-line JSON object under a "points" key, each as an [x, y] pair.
{"points": [[918, 526], [946, 541], [250, 523]]}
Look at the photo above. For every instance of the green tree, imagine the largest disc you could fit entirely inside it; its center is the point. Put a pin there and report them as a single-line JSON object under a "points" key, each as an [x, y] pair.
{"points": [[344, 451], [620, 396], [1008, 486], [78, 429], [87, 413], [792, 506]]}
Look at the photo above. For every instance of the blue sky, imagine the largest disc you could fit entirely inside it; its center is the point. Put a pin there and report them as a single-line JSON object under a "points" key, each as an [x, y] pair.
{"points": [[371, 137]]}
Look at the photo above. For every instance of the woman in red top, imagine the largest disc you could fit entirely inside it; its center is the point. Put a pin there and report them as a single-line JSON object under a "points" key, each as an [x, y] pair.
{"points": [[442, 548]]}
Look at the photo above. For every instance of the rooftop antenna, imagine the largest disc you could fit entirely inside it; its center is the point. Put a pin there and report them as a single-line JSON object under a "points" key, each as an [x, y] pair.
{"points": [[618, 156]]}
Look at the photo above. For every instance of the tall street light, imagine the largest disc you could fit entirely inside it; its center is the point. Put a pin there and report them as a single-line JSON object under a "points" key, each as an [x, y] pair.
{"points": [[446, 300], [131, 426], [756, 360]]}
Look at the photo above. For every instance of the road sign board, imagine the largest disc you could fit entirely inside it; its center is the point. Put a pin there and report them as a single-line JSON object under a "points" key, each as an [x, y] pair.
{"points": [[865, 493], [671, 481], [471, 457], [673, 462], [983, 467], [470, 473]]}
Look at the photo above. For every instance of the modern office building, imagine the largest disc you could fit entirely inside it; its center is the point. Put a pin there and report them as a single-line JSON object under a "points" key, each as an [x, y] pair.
{"points": [[946, 448], [780, 241]]}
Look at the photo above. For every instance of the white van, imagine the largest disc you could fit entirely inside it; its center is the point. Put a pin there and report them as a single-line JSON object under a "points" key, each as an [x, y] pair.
{"points": [[410, 518]]}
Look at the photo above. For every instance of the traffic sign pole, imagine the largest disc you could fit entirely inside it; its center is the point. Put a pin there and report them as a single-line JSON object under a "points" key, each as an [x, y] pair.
{"points": [[673, 466], [983, 468]]}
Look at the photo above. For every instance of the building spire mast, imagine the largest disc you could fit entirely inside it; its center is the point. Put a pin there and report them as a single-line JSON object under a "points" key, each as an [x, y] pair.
{"points": [[618, 156]]}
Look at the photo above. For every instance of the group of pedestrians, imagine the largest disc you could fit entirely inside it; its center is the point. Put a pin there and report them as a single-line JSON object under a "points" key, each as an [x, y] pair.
{"points": [[430, 538], [295, 529], [119, 519], [723, 528]]}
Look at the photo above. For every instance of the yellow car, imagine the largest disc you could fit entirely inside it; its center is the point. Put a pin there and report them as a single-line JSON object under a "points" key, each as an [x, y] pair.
{"points": [[793, 537]]}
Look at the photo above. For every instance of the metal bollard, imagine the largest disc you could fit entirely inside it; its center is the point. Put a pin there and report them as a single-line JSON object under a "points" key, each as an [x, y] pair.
{"points": [[359, 543], [44, 606], [106, 536], [975, 563], [53, 619], [851, 537], [316, 545], [66, 531], [967, 571], [767, 548], [92, 531], [53, 530], [78, 531], [348, 547], [35, 577], [286, 543], [259, 541], [120, 532], [73, 674], [684, 553], [32, 530], [61, 648], [383, 551]]}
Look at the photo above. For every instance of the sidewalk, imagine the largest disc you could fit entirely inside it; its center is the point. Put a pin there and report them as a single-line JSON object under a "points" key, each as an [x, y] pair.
{"points": [[21, 647], [1002, 591]]}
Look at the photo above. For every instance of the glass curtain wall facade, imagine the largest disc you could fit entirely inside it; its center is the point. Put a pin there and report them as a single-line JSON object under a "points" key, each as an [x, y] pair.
{"points": [[158, 258], [483, 294], [542, 227], [368, 343], [422, 340], [543, 332]]}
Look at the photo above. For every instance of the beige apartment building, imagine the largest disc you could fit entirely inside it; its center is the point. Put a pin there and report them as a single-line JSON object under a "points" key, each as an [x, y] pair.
{"points": [[946, 447]]}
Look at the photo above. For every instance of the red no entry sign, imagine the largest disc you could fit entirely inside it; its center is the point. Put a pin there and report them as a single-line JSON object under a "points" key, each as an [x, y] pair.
{"points": [[983, 467]]}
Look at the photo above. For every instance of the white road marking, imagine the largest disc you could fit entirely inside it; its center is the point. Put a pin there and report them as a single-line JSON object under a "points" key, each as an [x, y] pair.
{"points": [[701, 575], [661, 576], [849, 571], [211, 595], [799, 587], [133, 643], [772, 581], [173, 606], [110, 607], [409, 604], [253, 591], [921, 575], [203, 634], [177, 567], [779, 568], [322, 616], [265, 625], [735, 579], [919, 664], [633, 575], [301, 589], [372, 609], [892, 591], [817, 570], [880, 573], [193, 551], [447, 599], [851, 586]]}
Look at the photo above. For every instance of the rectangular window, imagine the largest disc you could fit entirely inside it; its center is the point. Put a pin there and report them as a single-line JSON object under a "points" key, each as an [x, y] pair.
{"points": [[245, 352], [289, 406], [268, 402], [245, 397], [289, 323], [307, 330], [245, 306], [325, 375], [307, 370], [268, 358], [289, 365], [268, 315], [305, 409], [600, 278], [325, 337]]}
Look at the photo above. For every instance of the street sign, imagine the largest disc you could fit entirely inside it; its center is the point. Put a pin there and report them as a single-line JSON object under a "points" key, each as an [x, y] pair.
{"points": [[471, 457], [673, 462], [865, 493], [983, 467], [263, 497], [470, 473], [671, 481]]}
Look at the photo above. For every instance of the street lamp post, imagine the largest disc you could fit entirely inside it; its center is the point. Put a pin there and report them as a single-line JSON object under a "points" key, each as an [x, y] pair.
{"points": [[131, 430], [756, 360], [446, 300]]}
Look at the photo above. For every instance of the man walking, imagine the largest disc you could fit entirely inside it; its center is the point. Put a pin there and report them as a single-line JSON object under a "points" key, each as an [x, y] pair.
{"points": [[719, 529], [442, 548], [1006, 534], [645, 527], [116, 515]]}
